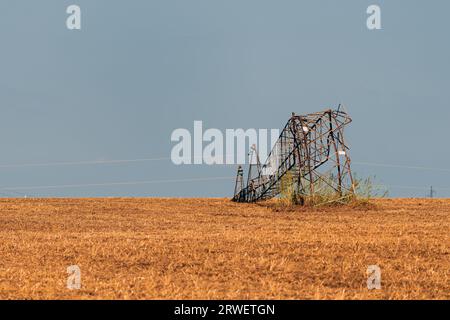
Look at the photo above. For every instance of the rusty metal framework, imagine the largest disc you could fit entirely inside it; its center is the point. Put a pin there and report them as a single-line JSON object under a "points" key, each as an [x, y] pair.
{"points": [[310, 153]]}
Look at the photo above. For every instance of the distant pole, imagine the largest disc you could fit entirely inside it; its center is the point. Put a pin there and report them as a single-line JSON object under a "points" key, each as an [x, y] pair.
{"points": [[432, 192]]}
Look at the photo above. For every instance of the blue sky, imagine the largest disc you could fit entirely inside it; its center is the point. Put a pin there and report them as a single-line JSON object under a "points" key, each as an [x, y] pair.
{"points": [[140, 69]]}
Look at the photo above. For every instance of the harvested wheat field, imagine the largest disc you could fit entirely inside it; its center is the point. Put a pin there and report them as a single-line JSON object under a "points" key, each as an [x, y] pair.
{"points": [[216, 249]]}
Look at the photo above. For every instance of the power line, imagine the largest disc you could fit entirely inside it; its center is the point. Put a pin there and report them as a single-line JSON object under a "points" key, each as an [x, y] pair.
{"points": [[13, 190], [399, 166], [75, 163], [118, 161], [123, 161], [409, 187], [122, 183]]}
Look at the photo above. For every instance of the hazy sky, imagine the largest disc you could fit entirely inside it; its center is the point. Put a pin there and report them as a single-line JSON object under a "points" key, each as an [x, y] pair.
{"points": [[137, 70]]}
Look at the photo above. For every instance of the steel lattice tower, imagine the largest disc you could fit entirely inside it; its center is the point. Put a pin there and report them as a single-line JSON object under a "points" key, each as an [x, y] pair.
{"points": [[310, 150]]}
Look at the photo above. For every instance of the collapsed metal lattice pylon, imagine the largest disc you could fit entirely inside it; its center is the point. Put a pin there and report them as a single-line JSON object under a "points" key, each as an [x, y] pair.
{"points": [[310, 155]]}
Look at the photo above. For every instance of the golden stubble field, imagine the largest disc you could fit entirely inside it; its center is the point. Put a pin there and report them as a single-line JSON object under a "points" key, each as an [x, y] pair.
{"points": [[216, 249]]}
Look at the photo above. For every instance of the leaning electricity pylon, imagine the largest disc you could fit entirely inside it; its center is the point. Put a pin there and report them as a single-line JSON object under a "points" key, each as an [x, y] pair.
{"points": [[310, 150]]}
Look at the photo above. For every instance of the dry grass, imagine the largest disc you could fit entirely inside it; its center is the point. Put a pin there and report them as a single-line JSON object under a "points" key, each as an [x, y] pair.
{"points": [[216, 249]]}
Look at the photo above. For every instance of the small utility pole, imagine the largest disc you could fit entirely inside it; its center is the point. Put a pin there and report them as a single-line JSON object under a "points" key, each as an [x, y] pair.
{"points": [[432, 192]]}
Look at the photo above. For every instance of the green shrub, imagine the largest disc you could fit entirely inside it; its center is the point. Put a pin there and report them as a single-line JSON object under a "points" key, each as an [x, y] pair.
{"points": [[324, 195]]}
